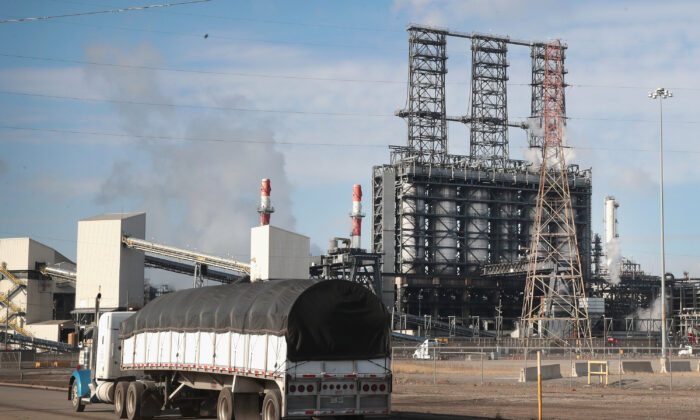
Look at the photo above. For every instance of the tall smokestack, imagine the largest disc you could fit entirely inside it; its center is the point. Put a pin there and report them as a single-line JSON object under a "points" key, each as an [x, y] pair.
{"points": [[265, 208], [356, 216]]}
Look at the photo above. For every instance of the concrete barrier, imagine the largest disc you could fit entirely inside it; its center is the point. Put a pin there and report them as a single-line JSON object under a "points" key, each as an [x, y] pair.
{"points": [[629, 366], [580, 369], [548, 372], [677, 366]]}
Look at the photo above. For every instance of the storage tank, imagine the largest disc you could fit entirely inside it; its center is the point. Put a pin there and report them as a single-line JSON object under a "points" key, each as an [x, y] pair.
{"points": [[412, 225], [508, 228], [610, 218], [477, 227], [444, 231]]}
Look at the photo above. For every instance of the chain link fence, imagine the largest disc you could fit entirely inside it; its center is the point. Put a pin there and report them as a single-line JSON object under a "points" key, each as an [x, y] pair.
{"points": [[632, 366]]}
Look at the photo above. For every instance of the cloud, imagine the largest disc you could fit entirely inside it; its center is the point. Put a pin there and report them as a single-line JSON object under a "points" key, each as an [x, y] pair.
{"points": [[4, 167], [439, 12]]}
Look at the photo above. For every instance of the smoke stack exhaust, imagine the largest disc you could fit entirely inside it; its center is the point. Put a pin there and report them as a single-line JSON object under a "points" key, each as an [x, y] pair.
{"points": [[265, 208], [356, 216]]}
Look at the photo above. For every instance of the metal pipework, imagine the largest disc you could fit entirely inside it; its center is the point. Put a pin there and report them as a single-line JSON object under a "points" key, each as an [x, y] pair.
{"points": [[60, 272], [356, 216], [187, 255], [472, 35], [265, 208]]}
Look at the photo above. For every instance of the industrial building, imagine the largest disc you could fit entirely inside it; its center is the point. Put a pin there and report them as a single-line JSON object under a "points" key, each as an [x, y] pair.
{"points": [[450, 226], [33, 304]]}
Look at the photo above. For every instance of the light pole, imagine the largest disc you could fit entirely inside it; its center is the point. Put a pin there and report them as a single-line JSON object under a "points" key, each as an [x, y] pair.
{"points": [[661, 94]]}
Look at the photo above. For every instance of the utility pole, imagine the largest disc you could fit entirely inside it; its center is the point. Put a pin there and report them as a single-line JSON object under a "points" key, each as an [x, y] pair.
{"points": [[662, 94]]}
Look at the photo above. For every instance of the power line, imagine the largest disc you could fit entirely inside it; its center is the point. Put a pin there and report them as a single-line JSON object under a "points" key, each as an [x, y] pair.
{"points": [[270, 21], [180, 70], [128, 9], [192, 139], [281, 76], [286, 143], [231, 38], [286, 111], [194, 106]]}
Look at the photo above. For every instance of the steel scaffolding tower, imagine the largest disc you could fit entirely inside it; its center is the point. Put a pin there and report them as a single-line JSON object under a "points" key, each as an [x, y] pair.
{"points": [[535, 137], [488, 141], [427, 126], [439, 218], [554, 305]]}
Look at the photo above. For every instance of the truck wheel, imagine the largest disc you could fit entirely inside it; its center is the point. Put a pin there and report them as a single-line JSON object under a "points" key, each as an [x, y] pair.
{"points": [[78, 406], [134, 399], [245, 406], [271, 408], [120, 399], [224, 406]]}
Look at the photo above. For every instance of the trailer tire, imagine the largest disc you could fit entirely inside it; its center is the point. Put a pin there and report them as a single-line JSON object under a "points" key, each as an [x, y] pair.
{"points": [[224, 405], [272, 405], [78, 406], [120, 390], [246, 406], [134, 400]]}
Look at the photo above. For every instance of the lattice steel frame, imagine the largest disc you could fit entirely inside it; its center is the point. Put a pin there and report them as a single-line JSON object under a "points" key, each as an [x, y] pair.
{"points": [[553, 305], [537, 96], [427, 126], [488, 138]]}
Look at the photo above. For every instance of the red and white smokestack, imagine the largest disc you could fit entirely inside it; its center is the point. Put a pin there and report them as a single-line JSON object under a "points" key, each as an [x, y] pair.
{"points": [[356, 216], [265, 208]]}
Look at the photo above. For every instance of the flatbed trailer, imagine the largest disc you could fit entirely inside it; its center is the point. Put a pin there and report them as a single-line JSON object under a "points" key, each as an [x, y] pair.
{"points": [[278, 349]]}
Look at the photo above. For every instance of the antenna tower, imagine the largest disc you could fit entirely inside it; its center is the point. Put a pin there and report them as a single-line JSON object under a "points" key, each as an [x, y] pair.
{"points": [[554, 306]]}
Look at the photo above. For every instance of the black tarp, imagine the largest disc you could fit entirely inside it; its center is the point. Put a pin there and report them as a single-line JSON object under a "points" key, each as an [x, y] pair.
{"points": [[320, 319]]}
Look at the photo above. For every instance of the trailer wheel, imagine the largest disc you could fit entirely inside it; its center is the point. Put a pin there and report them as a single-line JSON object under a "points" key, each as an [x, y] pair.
{"points": [[245, 406], [134, 399], [78, 406], [271, 408], [120, 399], [224, 406]]}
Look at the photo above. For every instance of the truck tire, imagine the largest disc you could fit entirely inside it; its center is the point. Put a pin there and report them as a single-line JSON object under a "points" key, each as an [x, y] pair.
{"points": [[224, 406], [120, 399], [245, 406], [272, 405], [78, 406], [134, 400]]}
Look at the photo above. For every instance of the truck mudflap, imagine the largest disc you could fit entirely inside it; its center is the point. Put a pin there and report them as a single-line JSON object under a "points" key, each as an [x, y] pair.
{"points": [[82, 379]]}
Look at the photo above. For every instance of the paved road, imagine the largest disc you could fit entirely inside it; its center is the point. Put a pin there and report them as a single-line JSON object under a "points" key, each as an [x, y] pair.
{"points": [[31, 404]]}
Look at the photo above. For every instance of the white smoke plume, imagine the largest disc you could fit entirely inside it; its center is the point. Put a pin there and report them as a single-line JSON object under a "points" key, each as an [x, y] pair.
{"points": [[198, 195], [613, 260], [533, 155], [652, 312]]}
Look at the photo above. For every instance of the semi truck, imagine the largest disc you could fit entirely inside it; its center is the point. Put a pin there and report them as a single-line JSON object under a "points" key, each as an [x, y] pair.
{"points": [[271, 350]]}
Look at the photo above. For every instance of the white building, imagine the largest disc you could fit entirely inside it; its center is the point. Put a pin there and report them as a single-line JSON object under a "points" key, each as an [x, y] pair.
{"points": [[26, 296]]}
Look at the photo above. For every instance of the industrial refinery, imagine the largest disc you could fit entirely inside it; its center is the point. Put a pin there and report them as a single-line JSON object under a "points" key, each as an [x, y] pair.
{"points": [[451, 234], [241, 266]]}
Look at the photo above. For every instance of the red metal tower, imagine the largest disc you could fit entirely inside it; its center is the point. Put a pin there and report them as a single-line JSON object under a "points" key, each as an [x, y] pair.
{"points": [[554, 307]]}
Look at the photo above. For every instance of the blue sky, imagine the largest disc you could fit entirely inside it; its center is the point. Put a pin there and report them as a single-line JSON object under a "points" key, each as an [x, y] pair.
{"points": [[79, 137]]}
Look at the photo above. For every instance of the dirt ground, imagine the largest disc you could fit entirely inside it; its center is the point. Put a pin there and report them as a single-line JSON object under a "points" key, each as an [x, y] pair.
{"points": [[460, 394]]}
